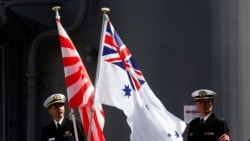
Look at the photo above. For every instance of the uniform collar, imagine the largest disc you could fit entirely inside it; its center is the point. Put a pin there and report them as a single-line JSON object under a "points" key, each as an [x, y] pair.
{"points": [[206, 117], [60, 121]]}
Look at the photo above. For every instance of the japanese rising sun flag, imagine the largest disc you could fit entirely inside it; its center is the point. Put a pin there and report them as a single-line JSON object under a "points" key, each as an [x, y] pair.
{"points": [[79, 87], [121, 84]]}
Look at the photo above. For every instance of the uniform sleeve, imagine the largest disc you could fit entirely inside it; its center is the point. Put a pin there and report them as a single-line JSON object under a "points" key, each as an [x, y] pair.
{"points": [[224, 126], [224, 131], [189, 138], [43, 135]]}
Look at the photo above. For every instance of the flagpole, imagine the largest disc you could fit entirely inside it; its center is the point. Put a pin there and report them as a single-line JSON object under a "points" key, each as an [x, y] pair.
{"points": [[105, 17], [56, 9], [72, 113]]}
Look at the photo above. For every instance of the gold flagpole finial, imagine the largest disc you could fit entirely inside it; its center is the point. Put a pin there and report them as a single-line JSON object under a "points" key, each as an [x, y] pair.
{"points": [[56, 9], [105, 9]]}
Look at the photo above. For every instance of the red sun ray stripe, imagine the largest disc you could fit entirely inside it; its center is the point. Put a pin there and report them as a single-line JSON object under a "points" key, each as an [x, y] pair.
{"points": [[71, 79], [99, 129], [66, 42], [76, 99], [68, 61]]}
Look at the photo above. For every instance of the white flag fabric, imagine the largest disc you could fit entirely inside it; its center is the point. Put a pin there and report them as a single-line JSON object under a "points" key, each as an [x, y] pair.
{"points": [[121, 84]]}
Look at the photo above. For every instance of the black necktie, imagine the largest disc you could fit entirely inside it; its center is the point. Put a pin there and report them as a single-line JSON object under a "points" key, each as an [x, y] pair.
{"points": [[58, 126], [202, 121]]}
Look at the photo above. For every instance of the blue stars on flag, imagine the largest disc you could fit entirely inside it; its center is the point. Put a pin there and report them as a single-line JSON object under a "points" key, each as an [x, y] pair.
{"points": [[127, 91], [169, 135], [177, 135]]}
